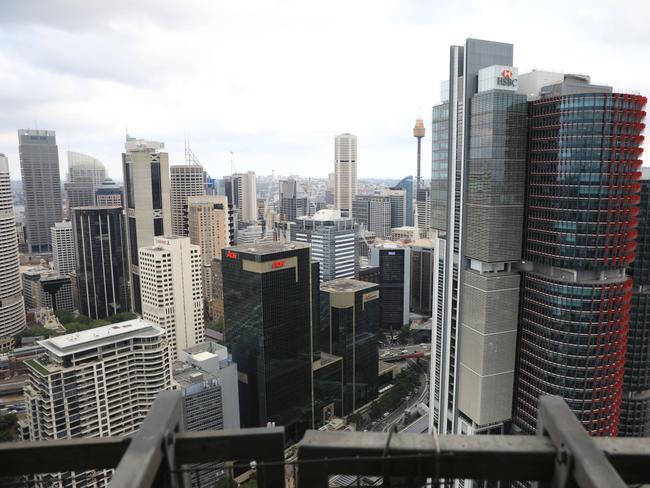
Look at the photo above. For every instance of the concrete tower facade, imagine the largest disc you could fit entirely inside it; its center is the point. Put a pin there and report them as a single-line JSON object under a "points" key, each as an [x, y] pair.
{"points": [[185, 181], [345, 172], [39, 167], [145, 167], [63, 247], [171, 290]]}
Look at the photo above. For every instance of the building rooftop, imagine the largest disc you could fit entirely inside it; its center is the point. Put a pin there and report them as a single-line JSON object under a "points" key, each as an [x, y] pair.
{"points": [[93, 338], [268, 247], [345, 285]]}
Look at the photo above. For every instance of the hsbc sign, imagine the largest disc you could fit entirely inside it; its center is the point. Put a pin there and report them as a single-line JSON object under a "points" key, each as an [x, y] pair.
{"points": [[506, 78]]}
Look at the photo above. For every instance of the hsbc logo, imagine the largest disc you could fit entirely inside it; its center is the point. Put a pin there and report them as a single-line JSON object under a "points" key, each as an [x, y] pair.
{"points": [[507, 79]]}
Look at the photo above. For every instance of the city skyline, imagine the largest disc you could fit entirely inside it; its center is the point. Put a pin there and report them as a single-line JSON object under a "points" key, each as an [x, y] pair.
{"points": [[281, 122]]}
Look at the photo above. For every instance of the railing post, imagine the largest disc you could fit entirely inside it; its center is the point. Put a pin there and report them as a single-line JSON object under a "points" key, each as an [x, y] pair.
{"points": [[578, 462], [149, 459]]}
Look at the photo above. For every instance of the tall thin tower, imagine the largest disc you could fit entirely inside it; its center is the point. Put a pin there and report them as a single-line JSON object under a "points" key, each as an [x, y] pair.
{"points": [[418, 133]]}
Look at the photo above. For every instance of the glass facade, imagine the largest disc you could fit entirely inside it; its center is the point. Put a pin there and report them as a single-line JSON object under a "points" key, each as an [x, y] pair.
{"points": [[268, 312], [102, 273], [581, 218], [439, 159], [407, 184], [635, 407]]}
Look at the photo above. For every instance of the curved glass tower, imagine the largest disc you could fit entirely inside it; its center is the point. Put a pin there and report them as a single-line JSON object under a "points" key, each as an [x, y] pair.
{"points": [[580, 235]]}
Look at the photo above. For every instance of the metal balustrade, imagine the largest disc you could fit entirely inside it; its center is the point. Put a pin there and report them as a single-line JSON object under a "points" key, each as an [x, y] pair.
{"points": [[160, 454]]}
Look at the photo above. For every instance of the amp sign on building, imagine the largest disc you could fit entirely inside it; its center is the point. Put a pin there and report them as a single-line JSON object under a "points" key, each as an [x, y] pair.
{"points": [[497, 77]]}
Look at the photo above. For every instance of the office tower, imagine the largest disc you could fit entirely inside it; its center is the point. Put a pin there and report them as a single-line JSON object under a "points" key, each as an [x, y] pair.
{"points": [[580, 235], [241, 190], [171, 290], [207, 379], [95, 383], [345, 172], [63, 247], [406, 184], [12, 307], [333, 242], [373, 213], [39, 167], [185, 181], [294, 202], [146, 193], [423, 207], [102, 272], [85, 174], [45, 288], [209, 228], [108, 194], [422, 265], [479, 161], [398, 206], [418, 133], [635, 405], [349, 327], [270, 292], [216, 300], [394, 263]]}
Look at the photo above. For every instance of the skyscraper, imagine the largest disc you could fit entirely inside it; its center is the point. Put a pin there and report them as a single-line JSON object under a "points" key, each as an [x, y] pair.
{"points": [[294, 202], [422, 266], [345, 172], [349, 328], [241, 190], [635, 404], [394, 263], [12, 307], [39, 167], [95, 383], [373, 213], [108, 194], [580, 235], [146, 190], [478, 174], [85, 174], [399, 205], [270, 292], [406, 184], [423, 205], [171, 290], [333, 242], [63, 247], [209, 224], [102, 272], [186, 181]]}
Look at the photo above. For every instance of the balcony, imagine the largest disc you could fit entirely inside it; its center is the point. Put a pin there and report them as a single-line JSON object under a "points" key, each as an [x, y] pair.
{"points": [[160, 454]]}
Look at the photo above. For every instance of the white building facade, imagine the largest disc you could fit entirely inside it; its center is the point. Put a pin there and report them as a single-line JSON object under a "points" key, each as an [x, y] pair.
{"points": [[63, 247], [185, 181], [345, 172]]}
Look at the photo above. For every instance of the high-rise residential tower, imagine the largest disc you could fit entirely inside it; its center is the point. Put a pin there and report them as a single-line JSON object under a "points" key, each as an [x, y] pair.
{"points": [[373, 214], [209, 224], [145, 167], [349, 328], [39, 167], [185, 181], [85, 174], [333, 242], [171, 290], [478, 174], [12, 307], [102, 269], [635, 405], [580, 236], [63, 247], [270, 296], [95, 383], [345, 172]]}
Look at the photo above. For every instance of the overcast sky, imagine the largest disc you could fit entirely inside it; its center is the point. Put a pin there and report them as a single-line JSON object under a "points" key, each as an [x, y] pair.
{"points": [[274, 81]]}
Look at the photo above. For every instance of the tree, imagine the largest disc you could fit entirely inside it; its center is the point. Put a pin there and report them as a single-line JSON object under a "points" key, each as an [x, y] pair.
{"points": [[121, 317], [64, 316], [226, 482], [355, 418], [404, 334], [217, 324], [98, 323]]}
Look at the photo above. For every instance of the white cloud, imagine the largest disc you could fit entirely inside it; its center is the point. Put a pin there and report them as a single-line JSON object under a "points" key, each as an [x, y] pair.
{"points": [[274, 81]]}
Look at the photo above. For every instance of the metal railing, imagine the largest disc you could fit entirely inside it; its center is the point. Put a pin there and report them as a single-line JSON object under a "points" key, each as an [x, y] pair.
{"points": [[160, 454]]}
